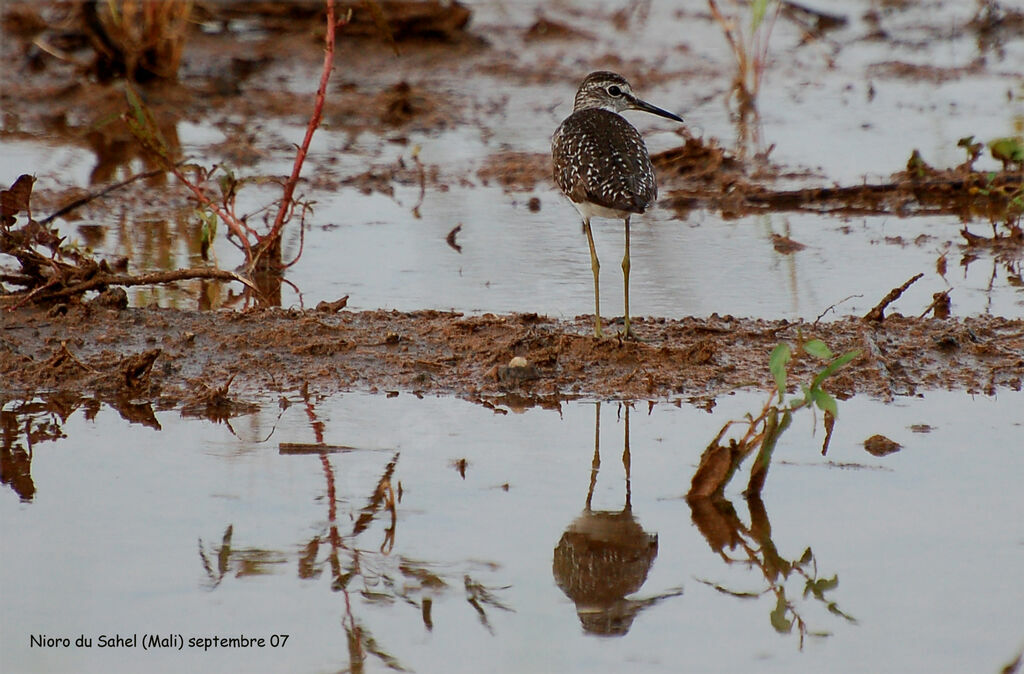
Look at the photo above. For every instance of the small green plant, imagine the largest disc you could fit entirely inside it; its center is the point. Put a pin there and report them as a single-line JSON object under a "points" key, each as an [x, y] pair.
{"points": [[972, 149], [1007, 150], [749, 48], [262, 249], [719, 462]]}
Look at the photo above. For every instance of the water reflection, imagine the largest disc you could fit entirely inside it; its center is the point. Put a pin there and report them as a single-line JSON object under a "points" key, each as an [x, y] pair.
{"points": [[26, 423], [356, 549], [752, 547], [605, 555]]}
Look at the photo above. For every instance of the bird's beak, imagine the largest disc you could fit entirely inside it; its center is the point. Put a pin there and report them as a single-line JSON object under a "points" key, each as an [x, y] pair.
{"points": [[653, 109]]}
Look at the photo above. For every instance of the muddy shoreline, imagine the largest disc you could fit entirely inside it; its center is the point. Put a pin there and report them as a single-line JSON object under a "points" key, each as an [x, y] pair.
{"points": [[212, 361]]}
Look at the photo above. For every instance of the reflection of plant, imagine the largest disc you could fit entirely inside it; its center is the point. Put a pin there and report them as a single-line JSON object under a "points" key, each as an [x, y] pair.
{"points": [[29, 422], [22, 426], [719, 462], [724, 532], [371, 574]]}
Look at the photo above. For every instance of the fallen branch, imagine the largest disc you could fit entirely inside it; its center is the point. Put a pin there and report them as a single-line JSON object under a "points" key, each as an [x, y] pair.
{"points": [[78, 203], [103, 280], [878, 312]]}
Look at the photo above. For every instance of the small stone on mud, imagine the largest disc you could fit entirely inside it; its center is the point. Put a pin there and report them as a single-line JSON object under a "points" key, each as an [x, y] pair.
{"points": [[518, 370]]}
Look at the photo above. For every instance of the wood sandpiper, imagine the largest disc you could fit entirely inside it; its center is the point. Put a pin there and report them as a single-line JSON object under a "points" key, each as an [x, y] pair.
{"points": [[602, 165]]}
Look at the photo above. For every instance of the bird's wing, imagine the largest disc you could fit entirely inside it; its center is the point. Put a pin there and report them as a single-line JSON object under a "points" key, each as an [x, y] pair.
{"points": [[599, 157]]}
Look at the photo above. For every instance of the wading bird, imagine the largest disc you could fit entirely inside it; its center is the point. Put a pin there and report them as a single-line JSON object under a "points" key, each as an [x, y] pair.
{"points": [[602, 165]]}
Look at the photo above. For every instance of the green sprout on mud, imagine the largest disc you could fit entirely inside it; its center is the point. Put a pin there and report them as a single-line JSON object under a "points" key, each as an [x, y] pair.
{"points": [[749, 48], [719, 462]]}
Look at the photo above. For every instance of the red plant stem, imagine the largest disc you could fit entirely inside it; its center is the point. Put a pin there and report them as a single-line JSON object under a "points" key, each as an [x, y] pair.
{"points": [[314, 122], [229, 219]]}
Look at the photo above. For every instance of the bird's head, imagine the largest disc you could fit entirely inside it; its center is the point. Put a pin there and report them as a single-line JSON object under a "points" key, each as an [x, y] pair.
{"points": [[610, 91]]}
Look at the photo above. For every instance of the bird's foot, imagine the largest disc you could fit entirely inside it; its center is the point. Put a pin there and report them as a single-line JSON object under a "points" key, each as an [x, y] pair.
{"points": [[626, 332]]}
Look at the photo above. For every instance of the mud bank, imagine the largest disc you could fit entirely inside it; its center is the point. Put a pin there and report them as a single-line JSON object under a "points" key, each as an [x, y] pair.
{"points": [[173, 357]]}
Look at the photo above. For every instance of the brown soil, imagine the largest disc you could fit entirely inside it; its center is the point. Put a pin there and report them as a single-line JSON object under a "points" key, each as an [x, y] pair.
{"points": [[170, 357], [204, 360]]}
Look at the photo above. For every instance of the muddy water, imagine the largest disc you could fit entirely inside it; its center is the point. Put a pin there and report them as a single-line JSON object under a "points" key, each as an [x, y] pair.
{"points": [[473, 552]]}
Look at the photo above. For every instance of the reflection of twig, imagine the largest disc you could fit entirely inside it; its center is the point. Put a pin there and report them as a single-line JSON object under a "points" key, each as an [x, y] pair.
{"points": [[384, 495], [96, 195], [422, 179], [223, 557], [477, 595]]}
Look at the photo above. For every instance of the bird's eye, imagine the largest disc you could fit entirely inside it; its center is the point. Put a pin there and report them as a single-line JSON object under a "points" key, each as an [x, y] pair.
{"points": [[614, 91]]}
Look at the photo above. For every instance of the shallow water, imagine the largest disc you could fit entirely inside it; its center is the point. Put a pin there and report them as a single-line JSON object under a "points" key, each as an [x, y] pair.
{"points": [[198, 531], [816, 112]]}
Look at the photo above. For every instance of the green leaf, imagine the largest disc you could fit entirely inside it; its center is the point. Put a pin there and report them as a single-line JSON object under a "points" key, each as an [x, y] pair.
{"points": [[757, 9], [817, 348], [1007, 149], [143, 127], [777, 364], [825, 402], [820, 586], [208, 231], [778, 617], [831, 368]]}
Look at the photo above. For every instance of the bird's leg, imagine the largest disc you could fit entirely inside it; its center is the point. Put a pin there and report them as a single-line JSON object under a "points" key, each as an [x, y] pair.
{"points": [[595, 266], [627, 332]]}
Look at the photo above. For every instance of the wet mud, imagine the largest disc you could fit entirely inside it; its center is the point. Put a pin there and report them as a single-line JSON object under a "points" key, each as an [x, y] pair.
{"points": [[212, 361]]}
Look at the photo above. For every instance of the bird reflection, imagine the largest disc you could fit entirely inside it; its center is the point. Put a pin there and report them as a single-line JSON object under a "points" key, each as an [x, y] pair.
{"points": [[603, 556]]}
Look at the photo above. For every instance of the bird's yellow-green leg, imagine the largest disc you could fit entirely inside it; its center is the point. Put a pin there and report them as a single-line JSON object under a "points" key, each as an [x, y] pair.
{"points": [[595, 266], [627, 331]]}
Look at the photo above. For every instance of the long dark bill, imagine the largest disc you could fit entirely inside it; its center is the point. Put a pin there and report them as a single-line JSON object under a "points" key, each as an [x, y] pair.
{"points": [[654, 110]]}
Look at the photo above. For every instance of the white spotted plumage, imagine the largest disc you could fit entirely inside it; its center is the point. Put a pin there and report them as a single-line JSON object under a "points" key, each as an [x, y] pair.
{"points": [[602, 165]]}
